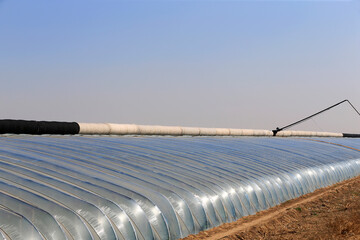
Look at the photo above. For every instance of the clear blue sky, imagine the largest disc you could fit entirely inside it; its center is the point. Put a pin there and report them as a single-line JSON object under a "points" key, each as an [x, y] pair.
{"points": [[240, 64]]}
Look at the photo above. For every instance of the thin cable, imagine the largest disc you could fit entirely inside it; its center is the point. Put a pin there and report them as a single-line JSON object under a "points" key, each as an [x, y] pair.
{"points": [[313, 115]]}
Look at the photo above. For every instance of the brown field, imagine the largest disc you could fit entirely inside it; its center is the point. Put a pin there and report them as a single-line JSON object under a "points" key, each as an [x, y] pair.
{"points": [[329, 213]]}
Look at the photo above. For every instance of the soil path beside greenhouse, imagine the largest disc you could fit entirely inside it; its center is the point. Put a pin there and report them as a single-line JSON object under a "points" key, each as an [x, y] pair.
{"points": [[328, 213]]}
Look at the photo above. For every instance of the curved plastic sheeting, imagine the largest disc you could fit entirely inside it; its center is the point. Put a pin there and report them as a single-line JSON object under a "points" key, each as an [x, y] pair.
{"points": [[15, 226], [103, 187]]}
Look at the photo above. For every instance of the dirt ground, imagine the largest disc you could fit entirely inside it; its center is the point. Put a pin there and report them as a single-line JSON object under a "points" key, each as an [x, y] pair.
{"points": [[329, 213]]}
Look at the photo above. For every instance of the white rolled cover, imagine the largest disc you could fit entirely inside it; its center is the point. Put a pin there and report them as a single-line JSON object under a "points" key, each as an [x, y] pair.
{"points": [[133, 129], [307, 134]]}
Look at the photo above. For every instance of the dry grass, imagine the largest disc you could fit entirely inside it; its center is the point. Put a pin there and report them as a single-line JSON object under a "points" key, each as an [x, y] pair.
{"points": [[345, 224]]}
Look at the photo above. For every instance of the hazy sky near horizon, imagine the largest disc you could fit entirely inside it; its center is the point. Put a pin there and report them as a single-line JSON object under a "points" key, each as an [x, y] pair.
{"points": [[240, 64]]}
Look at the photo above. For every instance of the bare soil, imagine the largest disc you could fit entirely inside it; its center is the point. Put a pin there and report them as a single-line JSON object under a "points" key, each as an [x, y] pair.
{"points": [[328, 213]]}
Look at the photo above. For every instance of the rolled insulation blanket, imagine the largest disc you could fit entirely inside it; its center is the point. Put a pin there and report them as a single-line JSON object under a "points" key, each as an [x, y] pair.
{"points": [[283, 134], [191, 131], [256, 132], [37, 127], [235, 132], [166, 130], [307, 134], [351, 135], [159, 130], [9, 126], [247, 132], [222, 132], [330, 134], [123, 129], [132, 129], [147, 130], [262, 132], [207, 131], [94, 128]]}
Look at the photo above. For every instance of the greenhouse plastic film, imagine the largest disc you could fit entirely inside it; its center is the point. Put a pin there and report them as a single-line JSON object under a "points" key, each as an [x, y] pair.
{"points": [[103, 187]]}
